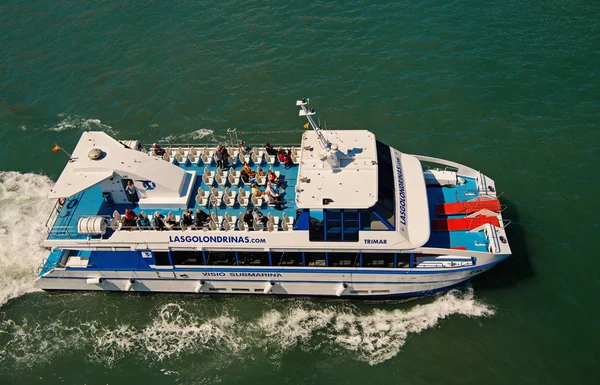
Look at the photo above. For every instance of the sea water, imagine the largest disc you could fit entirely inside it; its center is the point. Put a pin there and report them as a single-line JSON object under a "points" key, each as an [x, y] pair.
{"points": [[509, 88]]}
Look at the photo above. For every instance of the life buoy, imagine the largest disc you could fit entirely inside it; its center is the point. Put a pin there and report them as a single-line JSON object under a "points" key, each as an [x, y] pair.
{"points": [[62, 201]]}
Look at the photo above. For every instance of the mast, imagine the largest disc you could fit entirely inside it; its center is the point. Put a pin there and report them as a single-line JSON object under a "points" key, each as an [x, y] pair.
{"points": [[305, 111], [329, 153]]}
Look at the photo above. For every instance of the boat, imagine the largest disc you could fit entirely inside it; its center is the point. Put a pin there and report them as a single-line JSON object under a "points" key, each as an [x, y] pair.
{"points": [[353, 217]]}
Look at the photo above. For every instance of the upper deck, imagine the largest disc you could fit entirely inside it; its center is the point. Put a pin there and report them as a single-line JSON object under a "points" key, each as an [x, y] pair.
{"points": [[348, 182]]}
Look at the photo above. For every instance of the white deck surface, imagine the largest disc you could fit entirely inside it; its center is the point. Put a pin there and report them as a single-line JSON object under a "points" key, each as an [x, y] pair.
{"points": [[82, 172], [351, 185]]}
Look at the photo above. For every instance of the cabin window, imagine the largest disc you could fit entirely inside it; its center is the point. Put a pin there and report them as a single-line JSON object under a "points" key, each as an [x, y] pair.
{"points": [[333, 225], [162, 258], [316, 259], [343, 259], [350, 225], [286, 258], [187, 257], [368, 221], [220, 258], [378, 260], [253, 259], [316, 226], [403, 260]]}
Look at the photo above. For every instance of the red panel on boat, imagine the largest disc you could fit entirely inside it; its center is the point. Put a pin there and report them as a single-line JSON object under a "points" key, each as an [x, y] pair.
{"points": [[462, 223], [467, 207]]}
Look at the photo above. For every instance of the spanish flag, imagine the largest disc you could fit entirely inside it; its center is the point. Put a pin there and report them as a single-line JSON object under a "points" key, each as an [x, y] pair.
{"points": [[305, 126], [55, 148]]}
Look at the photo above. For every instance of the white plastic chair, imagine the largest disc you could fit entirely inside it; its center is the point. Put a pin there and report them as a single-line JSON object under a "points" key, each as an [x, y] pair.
{"points": [[256, 201], [243, 200]]}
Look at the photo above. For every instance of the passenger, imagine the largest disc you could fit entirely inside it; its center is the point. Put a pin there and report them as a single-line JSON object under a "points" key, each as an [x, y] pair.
{"points": [[273, 196], [273, 178], [260, 172], [186, 219], [132, 194], [285, 158], [256, 191], [259, 218], [200, 219], [270, 150], [143, 222], [251, 173], [244, 150], [156, 150], [248, 175], [225, 155], [158, 222], [218, 156], [129, 220], [170, 223], [248, 219]]}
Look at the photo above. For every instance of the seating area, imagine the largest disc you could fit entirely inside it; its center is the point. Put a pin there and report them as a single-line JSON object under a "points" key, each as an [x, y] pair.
{"points": [[219, 192]]}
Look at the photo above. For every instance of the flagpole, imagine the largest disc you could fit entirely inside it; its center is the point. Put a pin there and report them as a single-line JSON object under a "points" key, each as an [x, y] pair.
{"points": [[57, 147]]}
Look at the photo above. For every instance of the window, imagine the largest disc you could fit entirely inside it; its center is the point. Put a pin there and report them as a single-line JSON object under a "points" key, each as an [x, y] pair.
{"points": [[162, 258], [350, 225], [368, 221], [286, 259], [403, 260], [316, 226], [315, 259], [253, 259], [220, 258], [333, 224], [187, 257], [343, 260], [378, 260]]}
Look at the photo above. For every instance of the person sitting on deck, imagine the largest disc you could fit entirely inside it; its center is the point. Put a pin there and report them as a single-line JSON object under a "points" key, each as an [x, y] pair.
{"points": [[200, 220], [218, 156], [143, 222], [158, 222], [186, 219], [274, 179], [259, 218], [260, 172], [285, 158], [256, 191], [244, 150], [156, 150], [249, 219], [273, 197], [129, 219], [170, 223], [270, 150], [248, 175]]}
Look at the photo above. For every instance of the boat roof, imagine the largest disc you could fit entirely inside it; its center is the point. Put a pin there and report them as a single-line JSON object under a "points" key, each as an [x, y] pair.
{"points": [[83, 172], [349, 184]]}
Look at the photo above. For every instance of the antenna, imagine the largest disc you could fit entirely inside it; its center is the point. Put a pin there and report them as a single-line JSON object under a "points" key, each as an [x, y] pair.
{"points": [[305, 111]]}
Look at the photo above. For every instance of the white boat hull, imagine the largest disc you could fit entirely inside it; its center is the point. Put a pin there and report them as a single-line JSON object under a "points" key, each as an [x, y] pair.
{"points": [[362, 282]]}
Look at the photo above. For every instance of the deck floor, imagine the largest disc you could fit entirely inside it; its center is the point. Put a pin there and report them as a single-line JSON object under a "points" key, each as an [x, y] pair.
{"points": [[91, 203]]}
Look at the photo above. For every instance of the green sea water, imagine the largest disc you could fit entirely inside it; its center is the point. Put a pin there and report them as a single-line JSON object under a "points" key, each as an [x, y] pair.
{"points": [[510, 88]]}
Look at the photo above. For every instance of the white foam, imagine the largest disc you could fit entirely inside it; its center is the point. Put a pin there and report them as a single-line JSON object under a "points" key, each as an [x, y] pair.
{"points": [[201, 133], [372, 336], [24, 209], [75, 122]]}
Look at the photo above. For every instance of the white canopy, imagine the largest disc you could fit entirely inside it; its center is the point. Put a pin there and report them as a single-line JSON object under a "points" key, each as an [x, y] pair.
{"points": [[83, 172]]}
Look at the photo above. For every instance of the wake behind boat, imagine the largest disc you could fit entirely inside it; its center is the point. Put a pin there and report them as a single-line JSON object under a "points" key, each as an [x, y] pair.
{"points": [[340, 214]]}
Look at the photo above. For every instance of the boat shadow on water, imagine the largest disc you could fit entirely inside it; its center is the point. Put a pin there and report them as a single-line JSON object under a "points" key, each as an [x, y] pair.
{"points": [[517, 267]]}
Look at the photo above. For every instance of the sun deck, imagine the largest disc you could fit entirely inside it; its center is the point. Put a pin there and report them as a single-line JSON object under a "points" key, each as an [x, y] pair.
{"points": [[90, 201]]}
